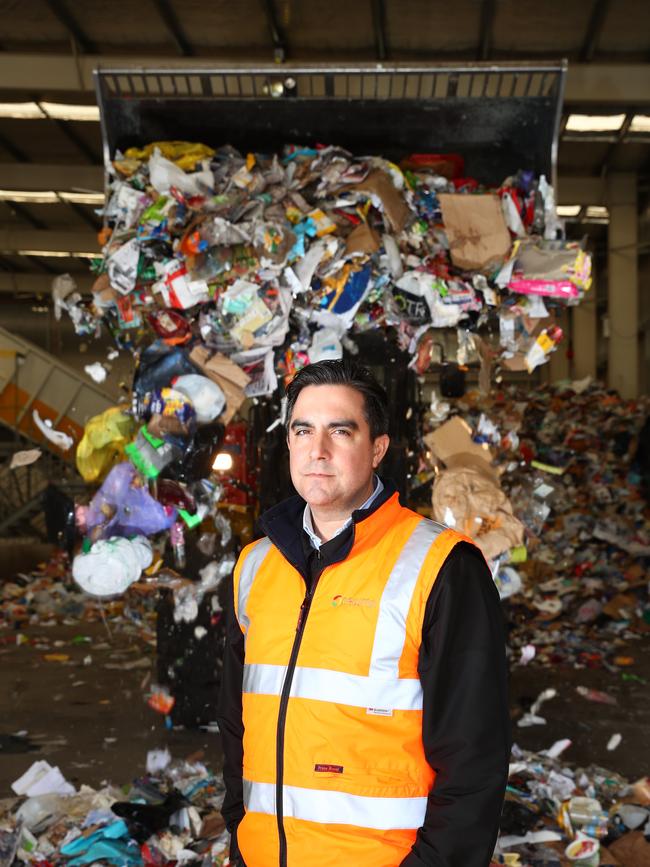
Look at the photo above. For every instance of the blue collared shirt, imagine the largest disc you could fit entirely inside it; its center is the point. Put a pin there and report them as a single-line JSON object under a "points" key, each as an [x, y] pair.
{"points": [[308, 526]]}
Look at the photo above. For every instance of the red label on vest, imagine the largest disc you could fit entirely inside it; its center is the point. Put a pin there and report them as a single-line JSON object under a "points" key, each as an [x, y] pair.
{"points": [[329, 769]]}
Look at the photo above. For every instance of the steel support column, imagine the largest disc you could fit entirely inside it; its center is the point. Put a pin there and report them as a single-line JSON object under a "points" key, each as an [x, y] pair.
{"points": [[623, 284]]}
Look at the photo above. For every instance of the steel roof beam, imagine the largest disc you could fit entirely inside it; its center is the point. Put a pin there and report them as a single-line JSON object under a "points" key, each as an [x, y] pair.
{"points": [[88, 218], [488, 12], [16, 152], [42, 265], [614, 146], [594, 30], [15, 282], [60, 11], [173, 26], [379, 26], [25, 214], [71, 135], [12, 241], [37, 176], [280, 47]]}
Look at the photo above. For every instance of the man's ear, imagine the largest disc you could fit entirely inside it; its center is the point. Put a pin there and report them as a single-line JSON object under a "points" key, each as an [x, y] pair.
{"points": [[379, 449]]}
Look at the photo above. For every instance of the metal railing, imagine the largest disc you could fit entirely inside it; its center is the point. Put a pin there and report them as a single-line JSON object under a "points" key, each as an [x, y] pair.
{"points": [[478, 81]]}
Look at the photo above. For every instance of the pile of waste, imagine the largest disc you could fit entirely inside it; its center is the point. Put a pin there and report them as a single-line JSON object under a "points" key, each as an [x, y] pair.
{"points": [[555, 814], [276, 260], [223, 274], [48, 597], [552, 484], [171, 815]]}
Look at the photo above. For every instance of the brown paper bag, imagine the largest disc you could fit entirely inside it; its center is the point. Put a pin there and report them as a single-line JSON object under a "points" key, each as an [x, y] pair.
{"points": [[230, 378], [479, 239], [479, 507]]}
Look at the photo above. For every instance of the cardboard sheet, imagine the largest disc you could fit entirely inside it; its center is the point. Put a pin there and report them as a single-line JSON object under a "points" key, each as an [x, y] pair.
{"points": [[453, 445], [479, 239], [363, 239], [396, 210]]}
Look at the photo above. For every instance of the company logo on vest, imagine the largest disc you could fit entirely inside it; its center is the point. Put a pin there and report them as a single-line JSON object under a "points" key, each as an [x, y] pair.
{"points": [[339, 600]]}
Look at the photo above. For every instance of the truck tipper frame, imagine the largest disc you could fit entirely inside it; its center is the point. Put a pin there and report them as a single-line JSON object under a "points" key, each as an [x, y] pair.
{"points": [[500, 118]]}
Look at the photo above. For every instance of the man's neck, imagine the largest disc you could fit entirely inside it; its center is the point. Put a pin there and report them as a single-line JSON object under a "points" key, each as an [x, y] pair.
{"points": [[326, 521]]}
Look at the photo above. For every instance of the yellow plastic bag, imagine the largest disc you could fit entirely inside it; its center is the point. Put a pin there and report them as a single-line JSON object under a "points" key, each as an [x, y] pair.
{"points": [[184, 154], [103, 442]]}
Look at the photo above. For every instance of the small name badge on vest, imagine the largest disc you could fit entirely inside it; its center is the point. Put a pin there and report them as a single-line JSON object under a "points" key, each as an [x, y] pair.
{"points": [[328, 769], [379, 711]]}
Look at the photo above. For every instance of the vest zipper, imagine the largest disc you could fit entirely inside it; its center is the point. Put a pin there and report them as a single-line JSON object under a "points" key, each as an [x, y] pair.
{"points": [[282, 714]]}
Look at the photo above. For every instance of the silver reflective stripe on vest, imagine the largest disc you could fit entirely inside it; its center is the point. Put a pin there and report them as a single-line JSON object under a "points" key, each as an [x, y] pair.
{"points": [[337, 808], [248, 571], [338, 687], [390, 632]]}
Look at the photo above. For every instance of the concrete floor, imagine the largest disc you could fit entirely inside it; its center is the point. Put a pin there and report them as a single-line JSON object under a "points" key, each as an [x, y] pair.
{"points": [[94, 723], [587, 724], [90, 720]]}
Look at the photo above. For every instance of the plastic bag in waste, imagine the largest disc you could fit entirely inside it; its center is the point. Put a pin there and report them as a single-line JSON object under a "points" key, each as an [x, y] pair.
{"points": [[103, 442], [112, 565], [123, 506], [206, 396], [158, 366]]}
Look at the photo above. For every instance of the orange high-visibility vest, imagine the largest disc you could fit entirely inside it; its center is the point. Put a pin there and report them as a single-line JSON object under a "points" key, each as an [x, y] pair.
{"points": [[334, 769]]}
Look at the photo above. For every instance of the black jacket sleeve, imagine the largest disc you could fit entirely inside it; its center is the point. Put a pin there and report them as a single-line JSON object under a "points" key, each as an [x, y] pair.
{"points": [[466, 727], [229, 716]]}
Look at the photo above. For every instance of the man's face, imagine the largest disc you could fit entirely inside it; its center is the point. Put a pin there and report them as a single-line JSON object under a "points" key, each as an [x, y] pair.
{"points": [[332, 456]]}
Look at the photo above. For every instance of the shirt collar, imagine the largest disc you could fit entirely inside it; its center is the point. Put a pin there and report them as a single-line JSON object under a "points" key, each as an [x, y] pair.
{"points": [[308, 525]]}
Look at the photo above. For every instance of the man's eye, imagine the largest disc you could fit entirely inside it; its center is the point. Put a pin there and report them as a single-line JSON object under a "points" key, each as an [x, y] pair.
{"points": [[301, 431], [343, 431]]}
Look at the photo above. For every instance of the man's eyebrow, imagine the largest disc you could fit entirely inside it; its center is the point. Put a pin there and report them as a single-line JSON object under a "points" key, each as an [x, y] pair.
{"points": [[344, 422]]}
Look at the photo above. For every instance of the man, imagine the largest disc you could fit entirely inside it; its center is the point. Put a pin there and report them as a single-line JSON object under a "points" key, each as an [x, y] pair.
{"points": [[363, 715]]}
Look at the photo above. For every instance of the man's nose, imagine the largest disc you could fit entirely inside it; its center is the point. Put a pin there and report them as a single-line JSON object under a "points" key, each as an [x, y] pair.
{"points": [[318, 445]]}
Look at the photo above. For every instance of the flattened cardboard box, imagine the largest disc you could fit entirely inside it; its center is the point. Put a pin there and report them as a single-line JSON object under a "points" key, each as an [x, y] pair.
{"points": [[478, 237]]}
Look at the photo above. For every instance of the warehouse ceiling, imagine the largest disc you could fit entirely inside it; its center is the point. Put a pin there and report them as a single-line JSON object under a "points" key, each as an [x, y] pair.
{"points": [[51, 160]]}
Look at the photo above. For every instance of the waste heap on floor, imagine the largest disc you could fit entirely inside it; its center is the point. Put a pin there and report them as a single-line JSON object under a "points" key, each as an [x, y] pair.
{"points": [[555, 814], [552, 484], [170, 815]]}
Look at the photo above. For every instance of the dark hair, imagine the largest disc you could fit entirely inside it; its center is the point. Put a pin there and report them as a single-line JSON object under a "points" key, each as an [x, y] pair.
{"points": [[344, 372]]}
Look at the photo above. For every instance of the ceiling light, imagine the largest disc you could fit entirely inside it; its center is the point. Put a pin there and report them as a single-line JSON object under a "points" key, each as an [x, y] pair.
{"points": [[53, 254], [21, 110], [595, 122], [50, 197], [568, 210], [640, 123], [36, 197], [63, 111], [44, 110], [83, 198], [597, 214]]}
